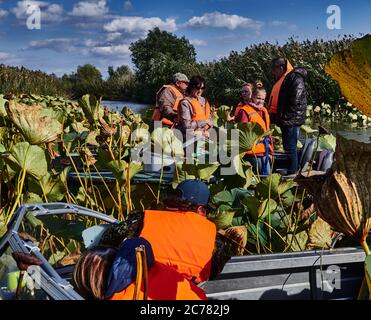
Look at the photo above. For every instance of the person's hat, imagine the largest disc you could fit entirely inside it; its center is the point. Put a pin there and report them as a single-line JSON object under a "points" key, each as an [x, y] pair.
{"points": [[180, 77], [194, 191]]}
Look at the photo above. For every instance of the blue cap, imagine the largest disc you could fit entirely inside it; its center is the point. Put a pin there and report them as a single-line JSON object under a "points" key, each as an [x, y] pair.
{"points": [[124, 268], [194, 191]]}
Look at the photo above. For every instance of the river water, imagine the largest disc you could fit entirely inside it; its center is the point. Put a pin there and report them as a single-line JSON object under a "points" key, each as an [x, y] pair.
{"points": [[348, 130]]}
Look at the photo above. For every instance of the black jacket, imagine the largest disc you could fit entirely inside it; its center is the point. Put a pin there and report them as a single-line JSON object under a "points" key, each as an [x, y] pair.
{"points": [[292, 100]]}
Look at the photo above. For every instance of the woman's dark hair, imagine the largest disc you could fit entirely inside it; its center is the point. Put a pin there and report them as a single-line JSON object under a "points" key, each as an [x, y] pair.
{"points": [[196, 82], [91, 272]]}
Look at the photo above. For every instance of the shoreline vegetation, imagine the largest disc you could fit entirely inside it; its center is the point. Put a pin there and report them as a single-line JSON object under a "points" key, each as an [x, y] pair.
{"points": [[153, 68]]}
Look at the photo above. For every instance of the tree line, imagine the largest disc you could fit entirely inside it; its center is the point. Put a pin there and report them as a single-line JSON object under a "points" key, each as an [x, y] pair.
{"points": [[161, 54]]}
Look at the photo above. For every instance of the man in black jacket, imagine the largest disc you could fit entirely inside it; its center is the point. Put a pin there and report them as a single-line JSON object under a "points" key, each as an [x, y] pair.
{"points": [[291, 108]]}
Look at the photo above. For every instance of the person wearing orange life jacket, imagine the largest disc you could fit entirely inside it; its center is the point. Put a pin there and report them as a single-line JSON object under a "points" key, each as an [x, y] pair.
{"points": [[181, 236], [280, 70], [194, 116], [106, 272], [255, 111], [167, 100]]}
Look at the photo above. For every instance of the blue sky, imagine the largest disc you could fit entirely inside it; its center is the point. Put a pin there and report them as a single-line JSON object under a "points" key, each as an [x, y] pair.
{"points": [[75, 32]]}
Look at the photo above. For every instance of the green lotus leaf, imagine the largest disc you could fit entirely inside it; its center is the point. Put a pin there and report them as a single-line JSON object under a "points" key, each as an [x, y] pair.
{"points": [[31, 197], [53, 186], [254, 234], [250, 133], [224, 197], [91, 107], [24, 156], [308, 129], [35, 127], [352, 70], [269, 186], [120, 169], [285, 185], [287, 198], [2, 106], [91, 138], [224, 217], [223, 112], [252, 204], [266, 208], [327, 142], [201, 171]]}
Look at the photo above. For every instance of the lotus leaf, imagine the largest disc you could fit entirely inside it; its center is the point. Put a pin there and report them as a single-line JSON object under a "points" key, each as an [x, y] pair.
{"points": [[91, 107], [250, 133], [55, 257], [201, 171], [266, 208], [320, 235], [307, 129], [327, 142], [91, 138], [297, 242], [352, 70], [3, 229], [2, 106], [53, 186], [35, 127], [27, 157], [343, 196], [224, 197], [31, 197], [224, 217], [120, 169], [255, 233], [269, 186], [252, 204]]}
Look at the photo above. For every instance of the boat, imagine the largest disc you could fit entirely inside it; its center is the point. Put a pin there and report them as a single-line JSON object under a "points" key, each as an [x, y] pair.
{"points": [[334, 274]]}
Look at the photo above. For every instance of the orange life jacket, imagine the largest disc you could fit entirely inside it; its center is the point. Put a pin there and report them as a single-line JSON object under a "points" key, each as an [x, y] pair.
{"points": [[164, 283], [199, 112], [238, 108], [273, 100], [157, 115], [264, 122], [182, 240]]}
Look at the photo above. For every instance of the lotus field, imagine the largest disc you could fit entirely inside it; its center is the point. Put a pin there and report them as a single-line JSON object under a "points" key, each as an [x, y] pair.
{"points": [[262, 215]]}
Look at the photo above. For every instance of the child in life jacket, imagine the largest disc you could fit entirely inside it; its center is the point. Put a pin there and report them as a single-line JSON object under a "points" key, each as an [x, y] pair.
{"points": [[255, 111]]}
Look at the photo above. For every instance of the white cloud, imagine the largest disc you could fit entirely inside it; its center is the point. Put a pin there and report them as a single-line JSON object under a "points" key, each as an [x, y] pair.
{"points": [[139, 24], [4, 56], [117, 50], [128, 6], [222, 20], [49, 12], [278, 23], [197, 42], [58, 44], [113, 36], [3, 13], [90, 9]]}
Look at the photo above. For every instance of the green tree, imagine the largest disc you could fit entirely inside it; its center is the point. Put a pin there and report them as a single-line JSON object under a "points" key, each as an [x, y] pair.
{"points": [[120, 83], [157, 58]]}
